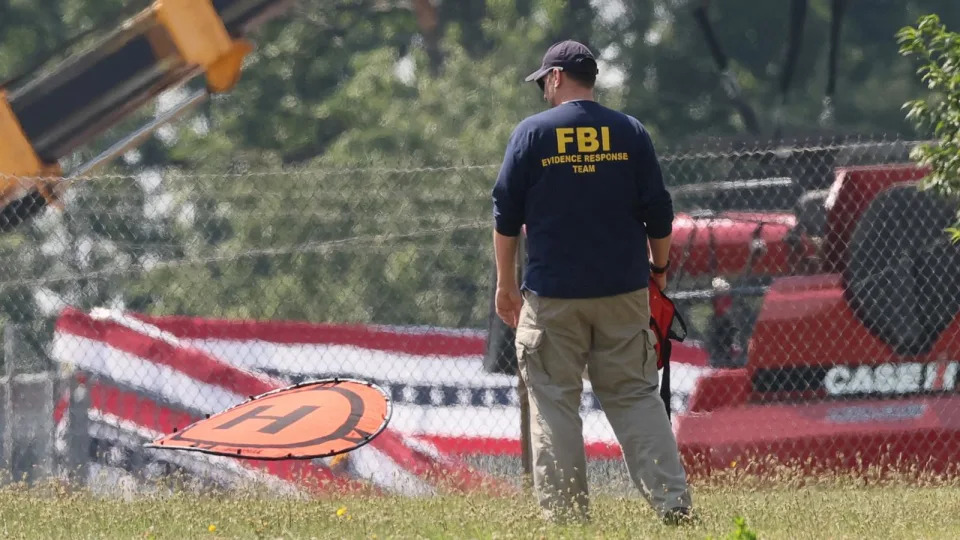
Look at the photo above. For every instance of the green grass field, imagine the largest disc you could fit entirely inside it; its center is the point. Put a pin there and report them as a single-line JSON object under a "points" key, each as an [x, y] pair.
{"points": [[823, 509]]}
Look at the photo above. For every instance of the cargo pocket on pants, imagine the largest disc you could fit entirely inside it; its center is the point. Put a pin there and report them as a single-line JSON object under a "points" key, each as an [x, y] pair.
{"points": [[528, 343]]}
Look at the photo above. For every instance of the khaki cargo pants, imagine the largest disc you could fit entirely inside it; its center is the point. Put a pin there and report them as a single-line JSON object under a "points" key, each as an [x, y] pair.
{"points": [[556, 340]]}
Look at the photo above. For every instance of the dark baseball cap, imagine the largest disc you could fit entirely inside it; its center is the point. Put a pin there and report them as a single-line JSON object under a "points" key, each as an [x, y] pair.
{"points": [[568, 55]]}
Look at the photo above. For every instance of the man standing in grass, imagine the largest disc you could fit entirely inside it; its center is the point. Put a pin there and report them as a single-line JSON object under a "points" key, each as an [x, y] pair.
{"points": [[585, 182]]}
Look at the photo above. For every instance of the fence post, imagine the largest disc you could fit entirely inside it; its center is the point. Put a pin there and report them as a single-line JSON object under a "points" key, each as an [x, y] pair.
{"points": [[525, 450], [77, 433], [501, 357], [522, 395], [4, 440], [28, 416]]}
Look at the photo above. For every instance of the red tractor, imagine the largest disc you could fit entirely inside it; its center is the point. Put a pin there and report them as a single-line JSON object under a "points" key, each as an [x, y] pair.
{"points": [[830, 326]]}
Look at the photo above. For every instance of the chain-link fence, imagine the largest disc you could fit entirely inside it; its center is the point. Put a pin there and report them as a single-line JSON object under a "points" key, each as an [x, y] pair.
{"points": [[821, 297]]}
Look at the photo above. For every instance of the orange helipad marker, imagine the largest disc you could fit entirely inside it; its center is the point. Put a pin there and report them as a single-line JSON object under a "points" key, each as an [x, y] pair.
{"points": [[304, 421]]}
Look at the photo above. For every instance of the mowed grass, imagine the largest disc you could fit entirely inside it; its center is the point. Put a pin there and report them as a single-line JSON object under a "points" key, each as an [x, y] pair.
{"points": [[820, 509]]}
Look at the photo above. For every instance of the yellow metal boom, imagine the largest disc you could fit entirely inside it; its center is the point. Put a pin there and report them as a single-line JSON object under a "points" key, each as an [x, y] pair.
{"points": [[44, 119]]}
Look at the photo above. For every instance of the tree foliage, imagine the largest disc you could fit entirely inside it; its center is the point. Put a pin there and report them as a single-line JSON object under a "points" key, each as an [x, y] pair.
{"points": [[938, 51], [340, 93]]}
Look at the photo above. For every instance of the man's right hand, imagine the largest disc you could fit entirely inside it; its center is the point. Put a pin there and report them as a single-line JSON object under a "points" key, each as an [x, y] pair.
{"points": [[660, 280], [508, 303], [660, 251]]}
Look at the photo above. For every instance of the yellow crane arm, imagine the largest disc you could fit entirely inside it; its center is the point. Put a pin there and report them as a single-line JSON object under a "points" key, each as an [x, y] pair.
{"points": [[45, 118]]}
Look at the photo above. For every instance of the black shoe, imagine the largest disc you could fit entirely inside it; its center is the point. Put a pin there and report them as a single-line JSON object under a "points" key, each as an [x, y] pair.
{"points": [[677, 516]]}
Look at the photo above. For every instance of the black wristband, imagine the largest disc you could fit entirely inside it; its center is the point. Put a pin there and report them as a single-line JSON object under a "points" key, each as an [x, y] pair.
{"points": [[659, 269]]}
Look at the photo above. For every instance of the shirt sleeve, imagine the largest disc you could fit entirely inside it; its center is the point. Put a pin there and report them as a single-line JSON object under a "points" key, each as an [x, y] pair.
{"points": [[656, 204], [510, 189]]}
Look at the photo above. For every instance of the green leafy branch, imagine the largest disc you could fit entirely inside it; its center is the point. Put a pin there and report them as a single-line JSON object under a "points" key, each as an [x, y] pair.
{"points": [[938, 51]]}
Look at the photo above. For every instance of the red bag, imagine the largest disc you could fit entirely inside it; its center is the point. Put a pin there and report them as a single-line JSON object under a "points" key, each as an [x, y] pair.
{"points": [[667, 325], [665, 322]]}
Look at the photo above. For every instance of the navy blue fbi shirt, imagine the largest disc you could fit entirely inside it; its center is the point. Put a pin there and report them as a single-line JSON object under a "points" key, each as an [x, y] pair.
{"points": [[585, 181]]}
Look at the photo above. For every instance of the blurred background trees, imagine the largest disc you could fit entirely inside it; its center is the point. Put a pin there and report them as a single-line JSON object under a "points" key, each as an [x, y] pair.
{"points": [[189, 226]]}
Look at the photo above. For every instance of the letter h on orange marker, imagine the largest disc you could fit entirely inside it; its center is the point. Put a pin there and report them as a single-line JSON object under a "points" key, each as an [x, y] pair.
{"points": [[279, 422]]}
